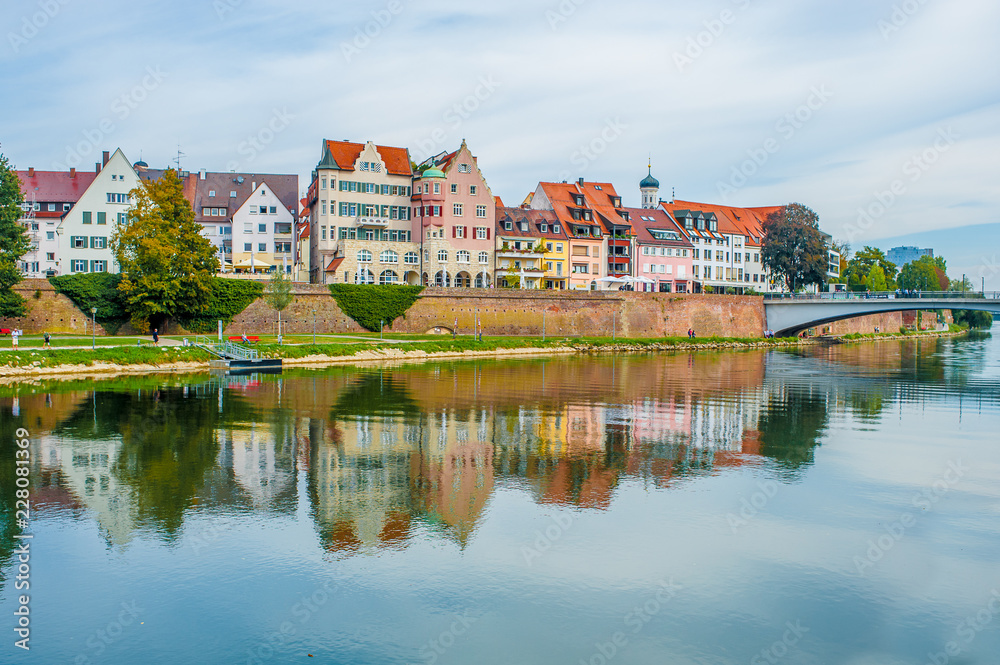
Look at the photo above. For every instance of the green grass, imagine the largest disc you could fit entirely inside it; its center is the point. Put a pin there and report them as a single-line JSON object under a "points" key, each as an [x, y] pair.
{"points": [[121, 355]]}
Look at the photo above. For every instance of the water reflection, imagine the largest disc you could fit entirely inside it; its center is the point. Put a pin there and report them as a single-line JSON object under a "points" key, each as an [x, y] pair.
{"points": [[389, 453]]}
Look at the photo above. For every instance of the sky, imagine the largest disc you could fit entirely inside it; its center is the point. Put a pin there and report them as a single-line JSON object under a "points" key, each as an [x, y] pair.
{"points": [[881, 115]]}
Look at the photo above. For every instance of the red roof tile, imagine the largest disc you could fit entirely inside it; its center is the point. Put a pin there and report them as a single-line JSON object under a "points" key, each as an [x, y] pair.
{"points": [[345, 154], [334, 264], [55, 186]]}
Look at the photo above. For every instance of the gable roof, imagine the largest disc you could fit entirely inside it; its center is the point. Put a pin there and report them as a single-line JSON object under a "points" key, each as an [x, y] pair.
{"points": [[534, 218], [656, 219], [55, 186], [197, 190], [343, 155]]}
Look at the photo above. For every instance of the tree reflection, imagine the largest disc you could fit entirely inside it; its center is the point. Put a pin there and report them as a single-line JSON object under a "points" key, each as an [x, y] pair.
{"points": [[791, 426]]}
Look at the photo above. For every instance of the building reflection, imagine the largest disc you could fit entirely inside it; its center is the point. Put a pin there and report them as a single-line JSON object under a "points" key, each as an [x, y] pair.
{"points": [[380, 457]]}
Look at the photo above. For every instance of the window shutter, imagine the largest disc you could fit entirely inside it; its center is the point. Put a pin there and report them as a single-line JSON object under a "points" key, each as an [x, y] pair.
{"points": [[487, 233], [453, 231]]}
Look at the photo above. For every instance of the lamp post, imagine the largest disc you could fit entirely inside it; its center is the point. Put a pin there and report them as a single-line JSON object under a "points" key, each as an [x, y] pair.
{"points": [[93, 328], [314, 327]]}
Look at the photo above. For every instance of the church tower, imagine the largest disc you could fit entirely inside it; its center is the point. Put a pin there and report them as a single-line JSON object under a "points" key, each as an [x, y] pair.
{"points": [[650, 187]]}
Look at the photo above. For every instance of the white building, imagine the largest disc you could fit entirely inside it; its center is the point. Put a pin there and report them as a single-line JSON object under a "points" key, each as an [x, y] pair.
{"points": [[262, 232]]}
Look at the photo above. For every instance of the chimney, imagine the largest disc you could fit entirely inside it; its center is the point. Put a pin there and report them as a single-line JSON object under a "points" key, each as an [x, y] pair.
{"points": [[31, 171], [201, 174], [72, 172], [581, 182], [97, 167], [107, 157]]}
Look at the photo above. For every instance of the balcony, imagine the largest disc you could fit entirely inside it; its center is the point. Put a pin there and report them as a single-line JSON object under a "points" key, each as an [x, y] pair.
{"points": [[520, 254], [378, 222]]}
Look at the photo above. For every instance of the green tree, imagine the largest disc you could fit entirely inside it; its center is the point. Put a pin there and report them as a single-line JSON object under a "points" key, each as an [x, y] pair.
{"points": [[972, 318], [278, 294], [167, 266], [964, 284], [14, 242], [794, 250], [924, 274], [876, 278], [861, 264]]}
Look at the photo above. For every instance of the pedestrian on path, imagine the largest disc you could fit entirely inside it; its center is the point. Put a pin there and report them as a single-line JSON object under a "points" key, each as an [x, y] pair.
{"points": [[156, 336], [45, 341], [14, 334]]}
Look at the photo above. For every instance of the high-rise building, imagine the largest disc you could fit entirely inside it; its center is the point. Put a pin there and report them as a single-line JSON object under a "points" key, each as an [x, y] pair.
{"points": [[907, 254]]}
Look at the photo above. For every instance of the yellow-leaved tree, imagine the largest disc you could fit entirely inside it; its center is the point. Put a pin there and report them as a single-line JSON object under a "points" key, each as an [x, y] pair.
{"points": [[167, 266]]}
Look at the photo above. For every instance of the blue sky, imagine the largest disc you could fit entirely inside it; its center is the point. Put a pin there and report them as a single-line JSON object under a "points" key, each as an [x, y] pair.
{"points": [[887, 107]]}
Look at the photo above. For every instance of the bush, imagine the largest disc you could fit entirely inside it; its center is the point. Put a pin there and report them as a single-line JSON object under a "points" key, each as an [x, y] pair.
{"points": [[368, 304], [903, 330], [95, 289], [229, 297]]}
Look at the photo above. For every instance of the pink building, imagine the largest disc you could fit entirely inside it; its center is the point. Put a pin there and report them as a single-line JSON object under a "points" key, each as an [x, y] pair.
{"points": [[663, 252], [453, 217]]}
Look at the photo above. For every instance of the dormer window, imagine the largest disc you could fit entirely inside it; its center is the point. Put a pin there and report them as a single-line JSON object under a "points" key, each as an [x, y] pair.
{"points": [[586, 215], [544, 228], [578, 199], [507, 226], [616, 201], [555, 228], [211, 192]]}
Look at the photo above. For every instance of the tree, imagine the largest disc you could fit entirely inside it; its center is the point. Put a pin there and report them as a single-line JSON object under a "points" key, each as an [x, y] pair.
{"points": [[794, 249], [972, 317], [278, 294], [876, 279], [924, 274], [964, 284], [14, 242], [861, 264], [167, 266]]}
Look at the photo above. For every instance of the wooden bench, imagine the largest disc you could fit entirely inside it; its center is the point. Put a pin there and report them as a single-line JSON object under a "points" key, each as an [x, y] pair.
{"points": [[4, 331], [250, 338]]}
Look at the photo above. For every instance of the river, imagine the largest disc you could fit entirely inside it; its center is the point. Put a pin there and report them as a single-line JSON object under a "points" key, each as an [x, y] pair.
{"points": [[821, 505]]}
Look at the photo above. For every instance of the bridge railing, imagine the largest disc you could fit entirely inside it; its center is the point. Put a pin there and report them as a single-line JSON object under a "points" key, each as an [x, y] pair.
{"points": [[886, 295]]}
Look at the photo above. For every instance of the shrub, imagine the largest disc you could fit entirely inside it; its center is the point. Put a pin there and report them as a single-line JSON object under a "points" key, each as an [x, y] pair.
{"points": [[368, 304], [95, 289], [229, 297], [903, 330]]}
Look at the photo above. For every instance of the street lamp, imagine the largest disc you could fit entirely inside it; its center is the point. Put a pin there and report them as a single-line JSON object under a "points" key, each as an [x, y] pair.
{"points": [[93, 328], [314, 327]]}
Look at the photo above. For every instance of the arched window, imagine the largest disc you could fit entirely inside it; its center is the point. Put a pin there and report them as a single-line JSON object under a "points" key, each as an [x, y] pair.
{"points": [[364, 277], [463, 256], [442, 278], [364, 256], [389, 256], [411, 258], [442, 255], [479, 281], [388, 277], [484, 257]]}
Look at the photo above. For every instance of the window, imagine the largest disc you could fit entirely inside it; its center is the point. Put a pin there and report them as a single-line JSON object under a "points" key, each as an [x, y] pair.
{"points": [[102, 218], [548, 246], [67, 206], [442, 255], [481, 212], [454, 188], [283, 247], [88, 217], [389, 256], [52, 207], [472, 190], [544, 229], [78, 265], [248, 247], [580, 268], [262, 228], [50, 256], [411, 258], [211, 192], [322, 233], [50, 235], [322, 183], [98, 266], [464, 168], [273, 210], [388, 277], [463, 256], [459, 231], [456, 209], [118, 198], [559, 247], [364, 256], [98, 242], [484, 257], [232, 193], [437, 188]]}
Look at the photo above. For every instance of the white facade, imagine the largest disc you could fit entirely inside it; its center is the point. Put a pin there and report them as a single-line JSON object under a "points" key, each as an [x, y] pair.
{"points": [[86, 230], [262, 232], [42, 259]]}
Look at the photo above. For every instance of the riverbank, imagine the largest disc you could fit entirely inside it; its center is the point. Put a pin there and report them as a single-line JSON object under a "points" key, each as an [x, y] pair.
{"points": [[134, 360]]}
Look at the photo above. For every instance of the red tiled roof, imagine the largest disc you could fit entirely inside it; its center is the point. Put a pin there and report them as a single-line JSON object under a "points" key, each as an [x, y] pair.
{"points": [[597, 197], [345, 154], [534, 219], [304, 231], [334, 264], [660, 220], [55, 186]]}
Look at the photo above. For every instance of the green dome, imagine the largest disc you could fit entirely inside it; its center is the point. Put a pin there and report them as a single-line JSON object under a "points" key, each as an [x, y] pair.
{"points": [[432, 172], [649, 181]]}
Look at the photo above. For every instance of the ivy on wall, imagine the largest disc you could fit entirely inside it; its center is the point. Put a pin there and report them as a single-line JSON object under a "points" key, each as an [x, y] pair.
{"points": [[229, 297], [370, 304]]}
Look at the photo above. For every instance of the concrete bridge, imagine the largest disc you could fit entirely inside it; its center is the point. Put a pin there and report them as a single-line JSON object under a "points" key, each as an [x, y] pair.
{"points": [[789, 314]]}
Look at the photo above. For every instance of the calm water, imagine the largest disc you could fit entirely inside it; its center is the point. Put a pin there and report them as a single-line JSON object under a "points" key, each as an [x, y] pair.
{"points": [[835, 505]]}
